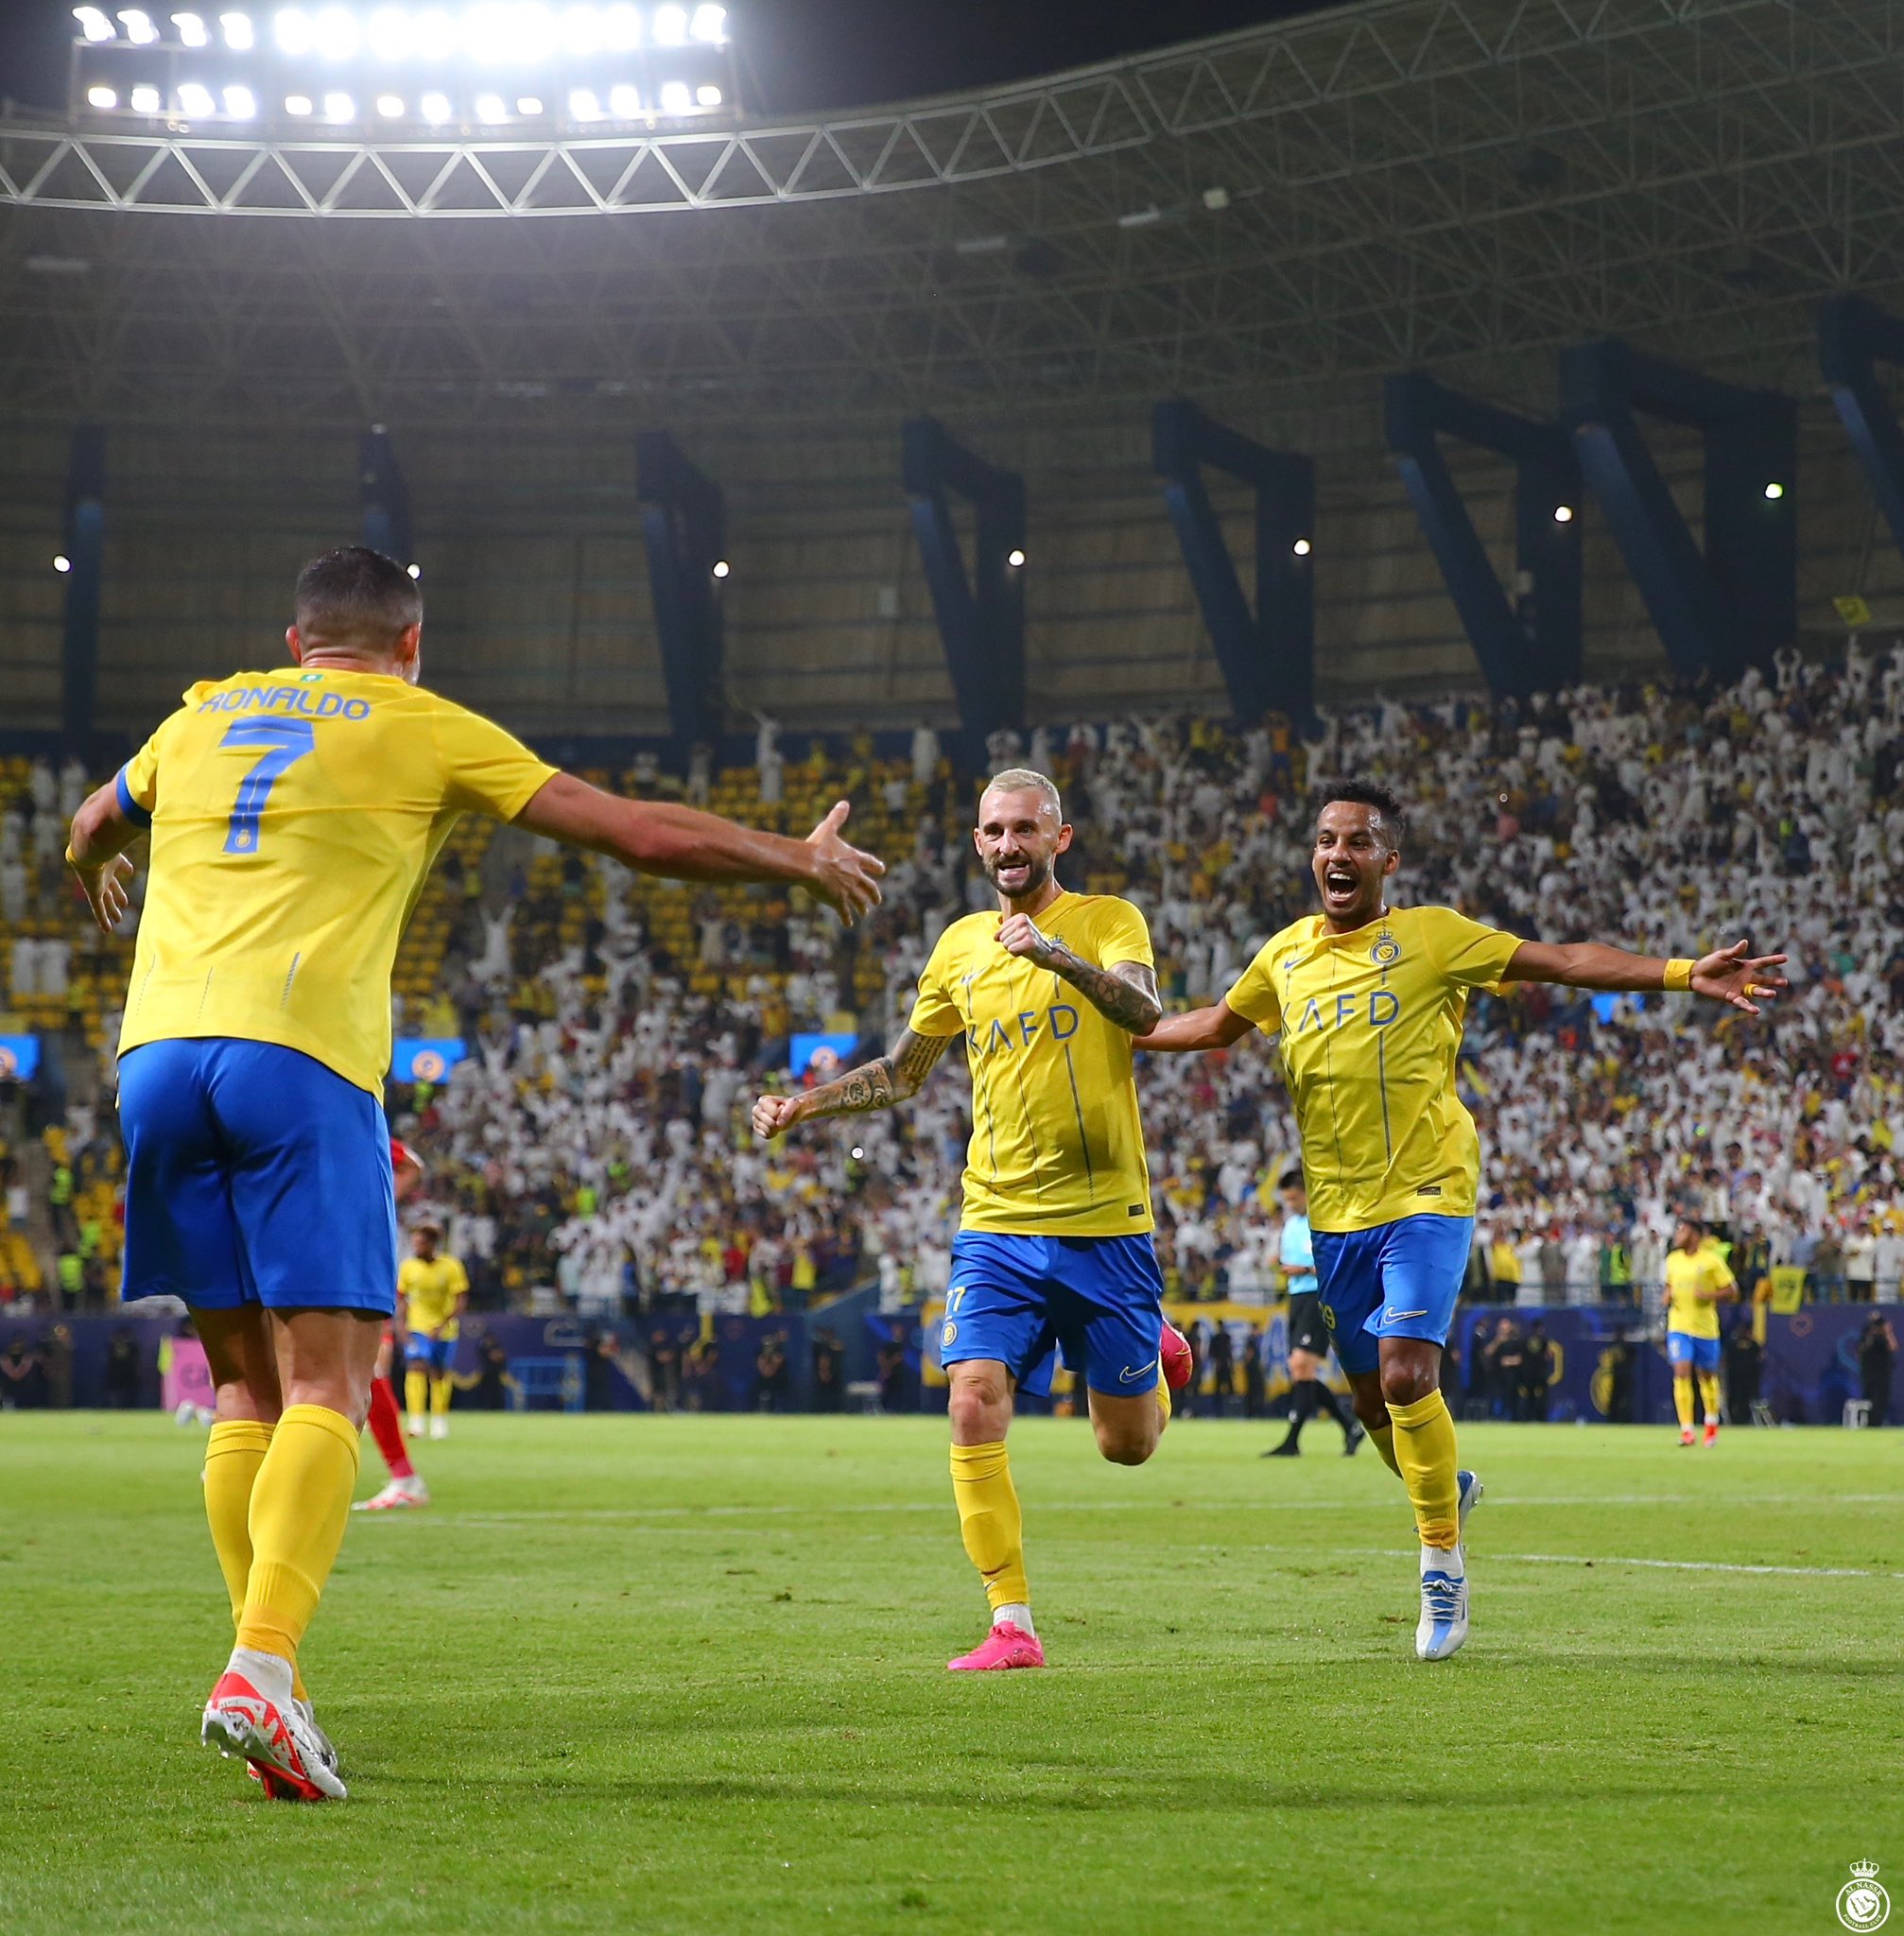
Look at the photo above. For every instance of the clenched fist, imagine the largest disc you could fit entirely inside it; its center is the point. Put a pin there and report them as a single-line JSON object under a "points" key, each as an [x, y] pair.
{"points": [[1018, 934], [774, 1115]]}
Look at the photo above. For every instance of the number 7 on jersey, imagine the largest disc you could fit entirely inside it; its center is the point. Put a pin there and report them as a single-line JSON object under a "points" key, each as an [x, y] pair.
{"points": [[280, 744]]}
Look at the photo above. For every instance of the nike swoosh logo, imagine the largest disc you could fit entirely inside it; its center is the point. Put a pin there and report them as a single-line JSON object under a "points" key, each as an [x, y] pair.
{"points": [[1395, 1317], [1127, 1375]]}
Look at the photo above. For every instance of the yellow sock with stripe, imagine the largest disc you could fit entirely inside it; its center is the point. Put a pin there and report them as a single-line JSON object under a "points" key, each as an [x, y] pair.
{"points": [[441, 1390], [301, 1503], [1383, 1439], [1708, 1395], [990, 1521], [1681, 1401], [1424, 1451], [416, 1392]]}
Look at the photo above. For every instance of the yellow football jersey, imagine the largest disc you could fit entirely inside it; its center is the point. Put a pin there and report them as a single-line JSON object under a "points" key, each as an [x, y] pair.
{"points": [[1370, 1024], [294, 817], [429, 1292], [1685, 1276], [1057, 1148]]}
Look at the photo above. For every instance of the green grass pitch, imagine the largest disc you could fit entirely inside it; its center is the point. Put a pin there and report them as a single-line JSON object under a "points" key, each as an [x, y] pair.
{"points": [[687, 1674]]}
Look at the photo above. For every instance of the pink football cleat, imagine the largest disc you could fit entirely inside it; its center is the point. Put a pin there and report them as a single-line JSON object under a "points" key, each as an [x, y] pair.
{"points": [[1711, 1434], [1173, 1348], [1006, 1646], [281, 1747]]}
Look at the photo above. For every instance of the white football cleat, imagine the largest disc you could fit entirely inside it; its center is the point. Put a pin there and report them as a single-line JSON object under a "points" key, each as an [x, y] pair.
{"points": [[1470, 1494], [398, 1494], [440, 1425], [290, 1754], [1442, 1627]]}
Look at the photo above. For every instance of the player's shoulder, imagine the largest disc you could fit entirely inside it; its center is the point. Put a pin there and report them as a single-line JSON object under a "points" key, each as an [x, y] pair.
{"points": [[1105, 910], [1296, 934]]}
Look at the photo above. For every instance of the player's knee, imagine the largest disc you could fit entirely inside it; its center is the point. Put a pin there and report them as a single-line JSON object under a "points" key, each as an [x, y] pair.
{"points": [[1404, 1381], [979, 1408], [1124, 1445]]}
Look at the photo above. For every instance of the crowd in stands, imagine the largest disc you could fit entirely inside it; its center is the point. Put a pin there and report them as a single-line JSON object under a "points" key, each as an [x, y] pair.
{"points": [[591, 1151]]}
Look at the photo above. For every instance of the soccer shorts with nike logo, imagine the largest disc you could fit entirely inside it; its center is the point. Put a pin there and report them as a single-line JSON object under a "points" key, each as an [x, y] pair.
{"points": [[1397, 1280], [1099, 1300]]}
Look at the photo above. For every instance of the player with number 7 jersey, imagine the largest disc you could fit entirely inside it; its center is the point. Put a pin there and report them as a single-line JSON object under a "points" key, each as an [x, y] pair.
{"points": [[294, 815]]}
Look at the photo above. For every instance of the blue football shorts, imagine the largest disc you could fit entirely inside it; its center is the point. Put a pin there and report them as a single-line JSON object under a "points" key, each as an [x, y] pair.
{"points": [[254, 1175], [432, 1355], [1099, 1300], [1682, 1348], [1398, 1280]]}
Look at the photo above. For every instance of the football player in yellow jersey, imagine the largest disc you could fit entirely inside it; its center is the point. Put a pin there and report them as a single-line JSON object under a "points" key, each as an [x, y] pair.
{"points": [[294, 815], [1054, 1243], [433, 1290], [1369, 1002], [1698, 1280]]}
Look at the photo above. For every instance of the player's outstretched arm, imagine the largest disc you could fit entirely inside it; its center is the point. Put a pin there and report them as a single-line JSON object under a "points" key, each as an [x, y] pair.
{"points": [[1125, 994], [1726, 975], [682, 843], [894, 1076], [1216, 1026], [95, 851]]}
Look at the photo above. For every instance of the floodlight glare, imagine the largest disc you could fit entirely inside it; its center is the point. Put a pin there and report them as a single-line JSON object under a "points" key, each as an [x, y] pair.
{"points": [[292, 30], [241, 104], [94, 23], [624, 102], [433, 34], [144, 100], [1774, 492], [390, 106], [196, 101], [529, 105], [721, 567], [191, 30], [62, 563], [671, 26], [486, 34], [388, 33], [490, 108], [337, 33], [1301, 547], [339, 107], [238, 34], [581, 29], [1563, 513], [675, 98], [621, 29], [1015, 558], [583, 105], [709, 24], [297, 104], [139, 27], [436, 108], [101, 97], [708, 96]]}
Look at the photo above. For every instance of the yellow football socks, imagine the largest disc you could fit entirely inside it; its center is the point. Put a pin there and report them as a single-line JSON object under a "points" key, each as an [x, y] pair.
{"points": [[1383, 1437], [232, 1456], [1163, 1397], [416, 1392], [990, 1521], [1424, 1451], [1681, 1401], [441, 1390], [1708, 1395], [299, 1505]]}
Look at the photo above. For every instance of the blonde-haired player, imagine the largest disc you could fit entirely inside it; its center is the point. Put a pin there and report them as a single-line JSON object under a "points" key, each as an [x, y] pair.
{"points": [[1698, 1281], [434, 1289]]}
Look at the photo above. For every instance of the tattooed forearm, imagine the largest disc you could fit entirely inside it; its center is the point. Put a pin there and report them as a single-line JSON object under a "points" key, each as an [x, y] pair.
{"points": [[1126, 995], [892, 1077]]}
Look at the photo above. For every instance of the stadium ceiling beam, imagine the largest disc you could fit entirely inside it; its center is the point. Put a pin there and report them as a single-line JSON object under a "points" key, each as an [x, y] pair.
{"points": [[1854, 336], [1379, 83], [684, 526]]}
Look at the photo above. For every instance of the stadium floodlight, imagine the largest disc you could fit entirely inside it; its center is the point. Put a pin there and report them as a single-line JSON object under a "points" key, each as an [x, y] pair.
{"points": [[621, 29], [62, 563], [339, 107], [144, 100], [337, 33], [191, 30], [416, 571], [490, 108], [239, 34], [1774, 492], [581, 30], [675, 98], [1301, 547], [390, 106], [196, 101], [721, 567], [299, 105], [1015, 558], [94, 23], [584, 105], [529, 105], [670, 27], [292, 32], [708, 96], [241, 104], [433, 34], [436, 108], [387, 33], [101, 97], [710, 24], [1563, 513], [624, 102], [138, 25]]}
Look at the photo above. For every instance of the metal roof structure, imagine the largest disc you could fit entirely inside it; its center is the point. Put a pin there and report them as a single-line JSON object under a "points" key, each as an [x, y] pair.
{"points": [[1271, 219]]}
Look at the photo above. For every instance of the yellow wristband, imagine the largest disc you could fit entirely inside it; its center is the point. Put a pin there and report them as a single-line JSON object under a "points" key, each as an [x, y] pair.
{"points": [[1678, 977]]}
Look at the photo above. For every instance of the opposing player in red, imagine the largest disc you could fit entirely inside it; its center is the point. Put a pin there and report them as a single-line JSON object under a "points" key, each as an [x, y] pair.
{"points": [[406, 1487]]}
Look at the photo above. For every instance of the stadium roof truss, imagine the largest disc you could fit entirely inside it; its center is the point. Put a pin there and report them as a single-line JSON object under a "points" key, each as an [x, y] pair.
{"points": [[1460, 184]]}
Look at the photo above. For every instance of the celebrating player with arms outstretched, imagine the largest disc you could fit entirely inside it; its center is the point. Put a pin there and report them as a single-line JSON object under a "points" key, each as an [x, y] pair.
{"points": [[294, 815], [1054, 1242], [1369, 1002]]}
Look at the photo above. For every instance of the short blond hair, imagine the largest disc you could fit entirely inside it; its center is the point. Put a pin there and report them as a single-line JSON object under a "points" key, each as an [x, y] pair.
{"points": [[1024, 780]]}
